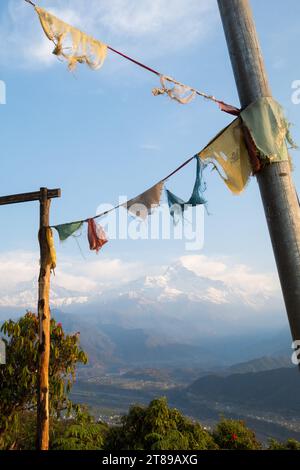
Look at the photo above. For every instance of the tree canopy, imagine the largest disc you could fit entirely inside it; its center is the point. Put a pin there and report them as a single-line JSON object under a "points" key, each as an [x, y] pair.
{"points": [[158, 427], [18, 377]]}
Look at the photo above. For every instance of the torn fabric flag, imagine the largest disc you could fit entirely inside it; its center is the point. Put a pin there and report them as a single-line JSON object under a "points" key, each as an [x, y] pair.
{"points": [[66, 230], [70, 43], [96, 235], [228, 153], [228, 108], [268, 128], [142, 205], [177, 205], [51, 261], [185, 94], [181, 93]]}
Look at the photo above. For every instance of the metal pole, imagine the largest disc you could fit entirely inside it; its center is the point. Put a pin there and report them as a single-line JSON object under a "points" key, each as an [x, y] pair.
{"points": [[275, 182]]}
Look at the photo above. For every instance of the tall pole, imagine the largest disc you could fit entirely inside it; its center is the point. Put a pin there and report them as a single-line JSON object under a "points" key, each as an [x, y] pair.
{"points": [[44, 196], [44, 326], [275, 182]]}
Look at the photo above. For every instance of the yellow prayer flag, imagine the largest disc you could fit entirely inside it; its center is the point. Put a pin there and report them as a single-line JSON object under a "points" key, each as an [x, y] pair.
{"points": [[71, 43], [51, 253], [228, 151]]}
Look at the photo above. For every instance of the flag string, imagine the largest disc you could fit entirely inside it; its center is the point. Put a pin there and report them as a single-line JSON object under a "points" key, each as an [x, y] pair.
{"points": [[172, 93], [102, 214]]}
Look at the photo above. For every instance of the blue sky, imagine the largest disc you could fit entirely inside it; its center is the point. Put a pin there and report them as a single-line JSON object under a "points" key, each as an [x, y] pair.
{"points": [[98, 135]]}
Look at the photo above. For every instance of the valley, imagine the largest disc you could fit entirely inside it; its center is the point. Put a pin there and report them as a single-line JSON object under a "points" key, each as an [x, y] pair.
{"points": [[270, 412]]}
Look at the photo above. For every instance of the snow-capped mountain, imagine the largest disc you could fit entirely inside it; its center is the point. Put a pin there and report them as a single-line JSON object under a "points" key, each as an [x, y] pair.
{"points": [[176, 301], [180, 283], [26, 294]]}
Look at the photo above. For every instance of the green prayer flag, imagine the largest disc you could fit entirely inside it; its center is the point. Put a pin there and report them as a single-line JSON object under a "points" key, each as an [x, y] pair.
{"points": [[269, 129], [66, 230]]}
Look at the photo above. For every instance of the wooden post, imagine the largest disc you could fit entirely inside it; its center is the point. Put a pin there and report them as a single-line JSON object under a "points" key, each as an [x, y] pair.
{"points": [[44, 326], [44, 196]]}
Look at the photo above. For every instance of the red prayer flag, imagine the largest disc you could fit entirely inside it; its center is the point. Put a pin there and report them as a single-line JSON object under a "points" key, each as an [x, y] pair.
{"points": [[228, 108], [96, 235]]}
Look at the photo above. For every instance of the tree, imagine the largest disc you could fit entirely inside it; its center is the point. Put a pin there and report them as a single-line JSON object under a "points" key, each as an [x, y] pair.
{"points": [[18, 377], [233, 434], [81, 433], [158, 427], [290, 444], [77, 432]]}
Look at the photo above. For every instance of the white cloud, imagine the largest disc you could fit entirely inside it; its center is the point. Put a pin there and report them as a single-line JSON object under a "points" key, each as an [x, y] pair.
{"points": [[74, 282], [149, 28], [255, 287], [96, 274], [19, 268]]}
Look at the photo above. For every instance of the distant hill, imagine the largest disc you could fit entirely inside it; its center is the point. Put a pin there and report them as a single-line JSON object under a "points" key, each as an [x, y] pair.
{"points": [[114, 347], [273, 390], [175, 375], [260, 364]]}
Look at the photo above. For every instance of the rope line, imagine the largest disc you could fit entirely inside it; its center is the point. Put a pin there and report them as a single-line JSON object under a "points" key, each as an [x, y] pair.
{"points": [[223, 106]]}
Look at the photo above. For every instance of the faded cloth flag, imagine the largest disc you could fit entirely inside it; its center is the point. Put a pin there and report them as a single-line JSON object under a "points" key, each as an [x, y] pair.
{"points": [[269, 129], [70, 43], [142, 205], [96, 235], [228, 152], [51, 249], [177, 205], [66, 230]]}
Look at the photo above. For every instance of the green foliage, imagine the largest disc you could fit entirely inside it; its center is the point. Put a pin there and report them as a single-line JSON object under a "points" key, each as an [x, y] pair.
{"points": [[79, 432], [157, 427], [21, 434], [18, 377], [232, 434], [82, 433], [290, 444]]}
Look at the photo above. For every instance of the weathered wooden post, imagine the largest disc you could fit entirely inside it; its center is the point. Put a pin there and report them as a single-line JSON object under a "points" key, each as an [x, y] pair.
{"points": [[44, 196], [44, 326]]}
